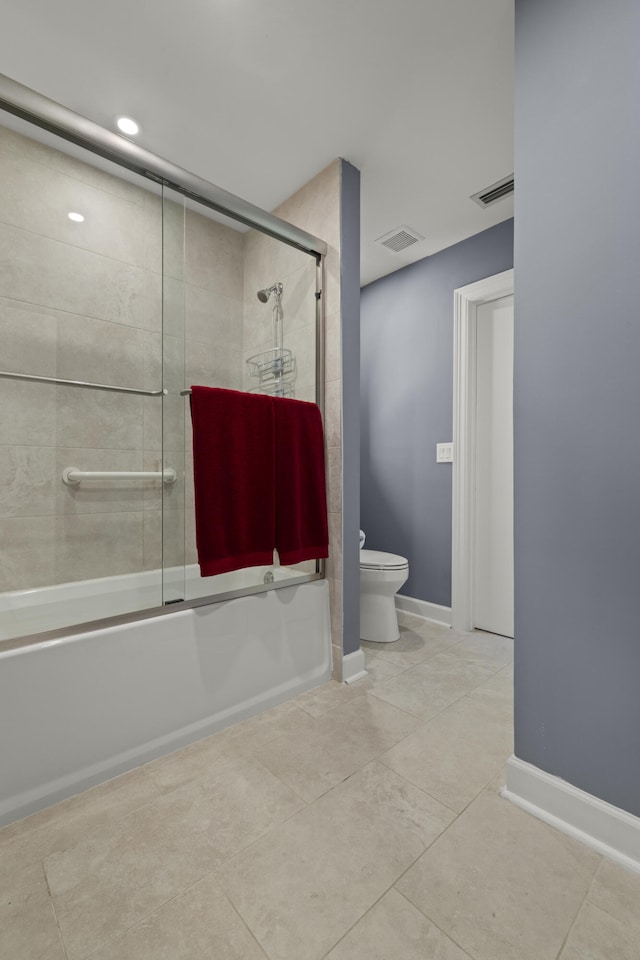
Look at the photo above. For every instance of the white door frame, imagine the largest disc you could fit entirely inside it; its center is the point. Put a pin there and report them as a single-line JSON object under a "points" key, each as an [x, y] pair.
{"points": [[465, 304]]}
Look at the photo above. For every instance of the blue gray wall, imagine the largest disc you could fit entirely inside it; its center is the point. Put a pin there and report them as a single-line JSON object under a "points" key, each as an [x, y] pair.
{"points": [[407, 405], [577, 393], [350, 347]]}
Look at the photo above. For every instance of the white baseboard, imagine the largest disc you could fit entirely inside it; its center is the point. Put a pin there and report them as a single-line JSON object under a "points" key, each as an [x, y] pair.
{"points": [[422, 608], [611, 831], [353, 667]]}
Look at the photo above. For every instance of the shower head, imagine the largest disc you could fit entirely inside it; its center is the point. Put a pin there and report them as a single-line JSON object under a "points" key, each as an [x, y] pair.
{"points": [[263, 295]]}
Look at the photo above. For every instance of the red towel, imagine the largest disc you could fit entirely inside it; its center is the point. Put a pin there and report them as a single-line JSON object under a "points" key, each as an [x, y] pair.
{"points": [[301, 496], [234, 478]]}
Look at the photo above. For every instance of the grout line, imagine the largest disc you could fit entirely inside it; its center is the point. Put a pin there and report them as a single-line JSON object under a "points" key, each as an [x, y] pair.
{"points": [[76, 246], [436, 925], [54, 911], [415, 786], [83, 316], [580, 906], [355, 924], [241, 918]]}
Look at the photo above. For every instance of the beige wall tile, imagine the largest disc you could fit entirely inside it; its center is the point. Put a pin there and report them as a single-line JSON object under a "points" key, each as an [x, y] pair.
{"points": [[96, 419], [213, 256], [103, 352], [27, 558], [302, 342], [46, 272], [173, 235], [173, 295], [165, 364], [212, 318], [28, 337], [334, 479], [164, 539], [28, 412], [153, 295], [334, 563], [25, 148], [316, 206], [333, 348], [212, 364], [28, 481], [38, 198], [332, 415], [152, 225], [97, 545]]}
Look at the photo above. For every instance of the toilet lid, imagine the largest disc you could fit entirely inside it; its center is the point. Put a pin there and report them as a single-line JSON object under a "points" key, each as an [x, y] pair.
{"points": [[377, 560]]}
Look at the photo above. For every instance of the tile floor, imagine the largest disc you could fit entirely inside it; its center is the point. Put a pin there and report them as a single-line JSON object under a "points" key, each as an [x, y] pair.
{"points": [[355, 822]]}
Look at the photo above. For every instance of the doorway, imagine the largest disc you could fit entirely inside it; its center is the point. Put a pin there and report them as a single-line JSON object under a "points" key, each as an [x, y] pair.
{"points": [[482, 562]]}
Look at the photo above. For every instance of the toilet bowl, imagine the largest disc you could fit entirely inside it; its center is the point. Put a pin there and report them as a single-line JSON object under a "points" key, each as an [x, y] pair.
{"points": [[381, 576]]}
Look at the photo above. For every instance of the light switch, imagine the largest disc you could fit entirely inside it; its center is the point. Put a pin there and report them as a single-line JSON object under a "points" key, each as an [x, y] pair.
{"points": [[444, 453]]}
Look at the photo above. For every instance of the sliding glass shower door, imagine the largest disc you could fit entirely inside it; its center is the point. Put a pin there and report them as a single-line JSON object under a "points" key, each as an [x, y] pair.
{"points": [[117, 295]]}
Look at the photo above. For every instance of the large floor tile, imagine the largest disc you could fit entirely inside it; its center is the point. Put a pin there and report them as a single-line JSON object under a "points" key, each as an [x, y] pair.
{"points": [[455, 755], [69, 822], [254, 733], [429, 687], [302, 887], [190, 763], [415, 645], [28, 929], [343, 741], [598, 936], [617, 891], [320, 700], [479, 645], [105, 885], [502, 884], [249, 736], [393, 928], [200, 924], [379, 669], [497, 689]]}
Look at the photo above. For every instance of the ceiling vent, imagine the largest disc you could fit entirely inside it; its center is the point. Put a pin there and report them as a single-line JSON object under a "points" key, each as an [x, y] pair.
{"points": [[400, 238], [491, 195]]}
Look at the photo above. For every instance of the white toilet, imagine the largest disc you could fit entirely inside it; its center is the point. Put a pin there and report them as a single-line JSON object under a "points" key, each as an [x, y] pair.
{"points": [[381, 576]]}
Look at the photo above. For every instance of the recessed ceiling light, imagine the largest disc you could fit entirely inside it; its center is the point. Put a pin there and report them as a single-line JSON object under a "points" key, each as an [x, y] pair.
{"points": [[76, 217], [127, 125]]}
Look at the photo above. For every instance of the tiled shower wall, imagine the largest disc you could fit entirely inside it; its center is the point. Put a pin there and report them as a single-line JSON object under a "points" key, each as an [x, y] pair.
{"points": [[84, 302], [316, 208]]}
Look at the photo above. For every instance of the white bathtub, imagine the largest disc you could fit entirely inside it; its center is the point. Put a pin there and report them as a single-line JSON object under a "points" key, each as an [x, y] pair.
{"points": [[77, 710], [27, 612]]}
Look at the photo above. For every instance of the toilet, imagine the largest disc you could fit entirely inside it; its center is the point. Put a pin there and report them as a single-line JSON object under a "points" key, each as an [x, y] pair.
{"points": [[381, 576]]}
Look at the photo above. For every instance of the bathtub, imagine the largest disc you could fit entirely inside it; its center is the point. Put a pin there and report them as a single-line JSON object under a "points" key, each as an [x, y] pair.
{"points": [[82, 708]]}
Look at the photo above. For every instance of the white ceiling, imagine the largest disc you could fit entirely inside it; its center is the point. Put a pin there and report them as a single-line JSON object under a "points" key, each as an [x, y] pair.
{"points": [[258, 96]]}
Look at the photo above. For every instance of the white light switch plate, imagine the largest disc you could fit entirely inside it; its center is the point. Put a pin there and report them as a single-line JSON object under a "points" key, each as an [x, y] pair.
{"points": [[444, 453]]}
